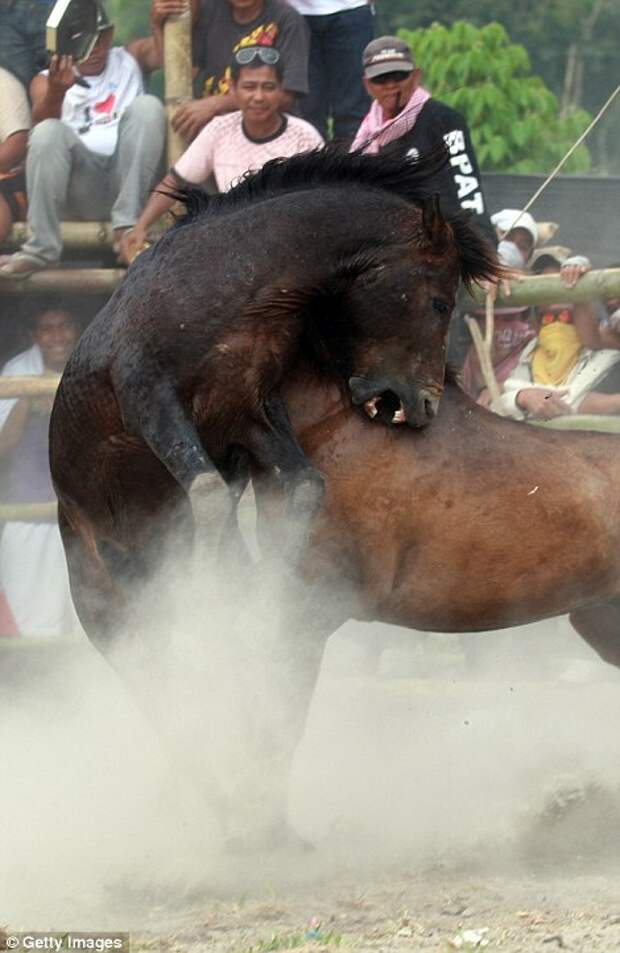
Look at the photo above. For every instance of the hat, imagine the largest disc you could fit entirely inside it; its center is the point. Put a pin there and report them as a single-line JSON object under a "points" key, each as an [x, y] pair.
{"points": [[550, 255], [387, 54], [103, 20], [510, 218]]}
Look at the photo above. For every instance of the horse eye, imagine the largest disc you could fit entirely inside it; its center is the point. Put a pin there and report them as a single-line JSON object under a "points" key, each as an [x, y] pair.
{"points": [[439, 305]]}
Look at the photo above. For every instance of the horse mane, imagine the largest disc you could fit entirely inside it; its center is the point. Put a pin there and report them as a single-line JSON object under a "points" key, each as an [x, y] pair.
{"points": [[391, 171], [401, 175]]}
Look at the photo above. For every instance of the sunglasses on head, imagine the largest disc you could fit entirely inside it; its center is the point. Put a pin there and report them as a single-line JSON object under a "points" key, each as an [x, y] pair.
{"points": [[266, 54], [398, 76]]}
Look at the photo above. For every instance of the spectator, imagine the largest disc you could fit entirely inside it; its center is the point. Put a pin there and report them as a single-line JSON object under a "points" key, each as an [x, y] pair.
{"points": [[22, 37], [32, 562], [14, 126], [515, 326], [564, 362], [404, 114], [236, 143], [339, 32], [517, 234], [221, 28], [95, 151]]}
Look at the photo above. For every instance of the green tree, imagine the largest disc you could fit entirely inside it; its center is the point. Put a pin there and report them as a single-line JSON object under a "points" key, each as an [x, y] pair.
{"points": [[514, 118]]}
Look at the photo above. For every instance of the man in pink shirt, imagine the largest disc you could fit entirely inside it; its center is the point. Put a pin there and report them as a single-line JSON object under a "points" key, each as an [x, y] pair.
{"points": [[233, 144]]}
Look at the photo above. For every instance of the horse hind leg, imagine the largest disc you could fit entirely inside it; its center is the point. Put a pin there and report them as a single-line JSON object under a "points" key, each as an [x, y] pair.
{"points": [[600, 627]]}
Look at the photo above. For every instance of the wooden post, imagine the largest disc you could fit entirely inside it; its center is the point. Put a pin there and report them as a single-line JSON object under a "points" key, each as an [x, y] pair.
{"points": [[177, 75], [29, 385], [548, 289], [28, 512], [96, 281]]}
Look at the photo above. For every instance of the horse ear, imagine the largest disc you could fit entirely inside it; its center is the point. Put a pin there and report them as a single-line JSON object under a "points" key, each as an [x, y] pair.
{"points": [[434, 225]]}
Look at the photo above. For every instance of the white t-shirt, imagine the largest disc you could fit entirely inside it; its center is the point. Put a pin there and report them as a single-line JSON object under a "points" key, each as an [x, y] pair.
{"points": [[95, 113], [14, 108], [224, 150], [320, 8]]}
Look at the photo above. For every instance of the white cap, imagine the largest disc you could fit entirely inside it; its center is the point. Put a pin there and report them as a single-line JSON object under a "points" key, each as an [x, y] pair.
{"points": [[510, 218]]}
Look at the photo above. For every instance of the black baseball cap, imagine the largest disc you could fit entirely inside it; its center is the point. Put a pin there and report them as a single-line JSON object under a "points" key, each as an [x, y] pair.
{"points": [[387, 54]]}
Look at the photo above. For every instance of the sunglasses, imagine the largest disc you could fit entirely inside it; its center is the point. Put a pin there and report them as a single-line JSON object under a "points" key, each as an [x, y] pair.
{"points": [[398, 76], [266, 54]]}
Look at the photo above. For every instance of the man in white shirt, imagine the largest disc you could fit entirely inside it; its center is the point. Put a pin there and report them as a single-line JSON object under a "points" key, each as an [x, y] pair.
{"points": [[339, 33], [96, 148]]}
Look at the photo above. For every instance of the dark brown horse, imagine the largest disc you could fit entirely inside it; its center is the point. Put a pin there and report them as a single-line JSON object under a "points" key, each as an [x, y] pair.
{"points": [[174, 389]]}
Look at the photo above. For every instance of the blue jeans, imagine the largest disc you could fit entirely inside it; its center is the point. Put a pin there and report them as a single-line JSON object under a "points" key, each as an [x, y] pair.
{"points": [[337, 41], [22, 37]]}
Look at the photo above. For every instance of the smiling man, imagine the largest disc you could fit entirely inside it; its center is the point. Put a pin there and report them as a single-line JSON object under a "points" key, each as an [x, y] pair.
{"points": [[236, 143], [405, 116]]}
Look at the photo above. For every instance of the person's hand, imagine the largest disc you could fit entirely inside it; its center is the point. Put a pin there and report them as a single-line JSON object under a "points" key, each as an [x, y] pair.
{"points": [[61, 75], [573, 268], [191, 117], [502, 285], [162, 9], [132, 242], [543, 404]]}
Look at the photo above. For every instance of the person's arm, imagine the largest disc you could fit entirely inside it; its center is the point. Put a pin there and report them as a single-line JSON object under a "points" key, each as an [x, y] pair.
{"points": [[13, 150], [192, 117], [464, 172], [160, 11], [48, 92], [134, 239], [193, 168], [594, 403], [13, 428]]}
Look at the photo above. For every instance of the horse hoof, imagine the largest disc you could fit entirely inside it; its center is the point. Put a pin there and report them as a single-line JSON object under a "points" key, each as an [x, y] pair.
{"points": [[210, 500]]}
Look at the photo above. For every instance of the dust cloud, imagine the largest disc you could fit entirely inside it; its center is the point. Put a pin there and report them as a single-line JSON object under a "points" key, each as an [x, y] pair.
{"points": [[436, 750]]}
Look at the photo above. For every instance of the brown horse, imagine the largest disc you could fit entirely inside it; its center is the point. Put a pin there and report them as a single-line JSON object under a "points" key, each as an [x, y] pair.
{"points": [[475, 523]]}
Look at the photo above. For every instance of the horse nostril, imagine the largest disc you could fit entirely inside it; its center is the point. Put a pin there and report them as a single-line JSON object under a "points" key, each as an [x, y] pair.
{"points": [[429, 408]]}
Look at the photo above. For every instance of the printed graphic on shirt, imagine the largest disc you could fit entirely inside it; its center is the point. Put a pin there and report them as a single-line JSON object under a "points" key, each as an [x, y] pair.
{"points": [[467, 184], [100, 113], [264, 35]]}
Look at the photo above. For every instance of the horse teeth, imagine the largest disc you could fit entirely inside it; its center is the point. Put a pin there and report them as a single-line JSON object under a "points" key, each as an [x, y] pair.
{"points": [[370, 406], [399, 416]]}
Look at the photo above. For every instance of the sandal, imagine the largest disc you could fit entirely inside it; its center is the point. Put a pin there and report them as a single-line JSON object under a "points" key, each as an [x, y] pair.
{"points": [[18, 266]]}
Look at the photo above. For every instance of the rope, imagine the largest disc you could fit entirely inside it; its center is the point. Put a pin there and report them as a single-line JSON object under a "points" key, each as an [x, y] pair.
{"points": [[562, 161]]}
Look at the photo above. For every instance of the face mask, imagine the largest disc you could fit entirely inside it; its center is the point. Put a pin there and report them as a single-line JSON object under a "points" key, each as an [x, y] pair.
{"points": [[510, 255]]}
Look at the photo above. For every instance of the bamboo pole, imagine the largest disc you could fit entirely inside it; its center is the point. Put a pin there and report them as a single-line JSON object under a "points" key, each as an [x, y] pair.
{"points": [[484, 350], [549, 289], [82, 235], [28, 512], [177, 75], [29, 385], [70, 280]]}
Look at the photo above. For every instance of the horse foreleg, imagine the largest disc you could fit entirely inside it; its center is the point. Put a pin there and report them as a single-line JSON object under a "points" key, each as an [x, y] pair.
{"points": [[276, 451], [600, 627], [157, 415]]}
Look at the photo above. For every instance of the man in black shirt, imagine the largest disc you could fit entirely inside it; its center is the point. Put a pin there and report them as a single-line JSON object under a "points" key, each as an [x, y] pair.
{"points": [[403, 115]]}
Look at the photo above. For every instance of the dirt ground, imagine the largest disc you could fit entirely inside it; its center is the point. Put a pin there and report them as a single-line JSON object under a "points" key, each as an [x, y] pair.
{"points": [[448, 809], [406, 912]]}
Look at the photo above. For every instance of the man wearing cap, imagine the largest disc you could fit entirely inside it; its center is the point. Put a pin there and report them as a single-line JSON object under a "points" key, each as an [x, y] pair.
{"points": [[404, 113], [96, 147]]}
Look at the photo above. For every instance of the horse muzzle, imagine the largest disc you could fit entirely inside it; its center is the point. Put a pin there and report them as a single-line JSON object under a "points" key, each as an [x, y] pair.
{"points": [[415, 406]]}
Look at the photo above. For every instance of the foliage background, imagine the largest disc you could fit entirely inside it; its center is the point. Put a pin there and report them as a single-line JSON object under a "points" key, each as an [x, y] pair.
{"points": [[572, 46]]}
